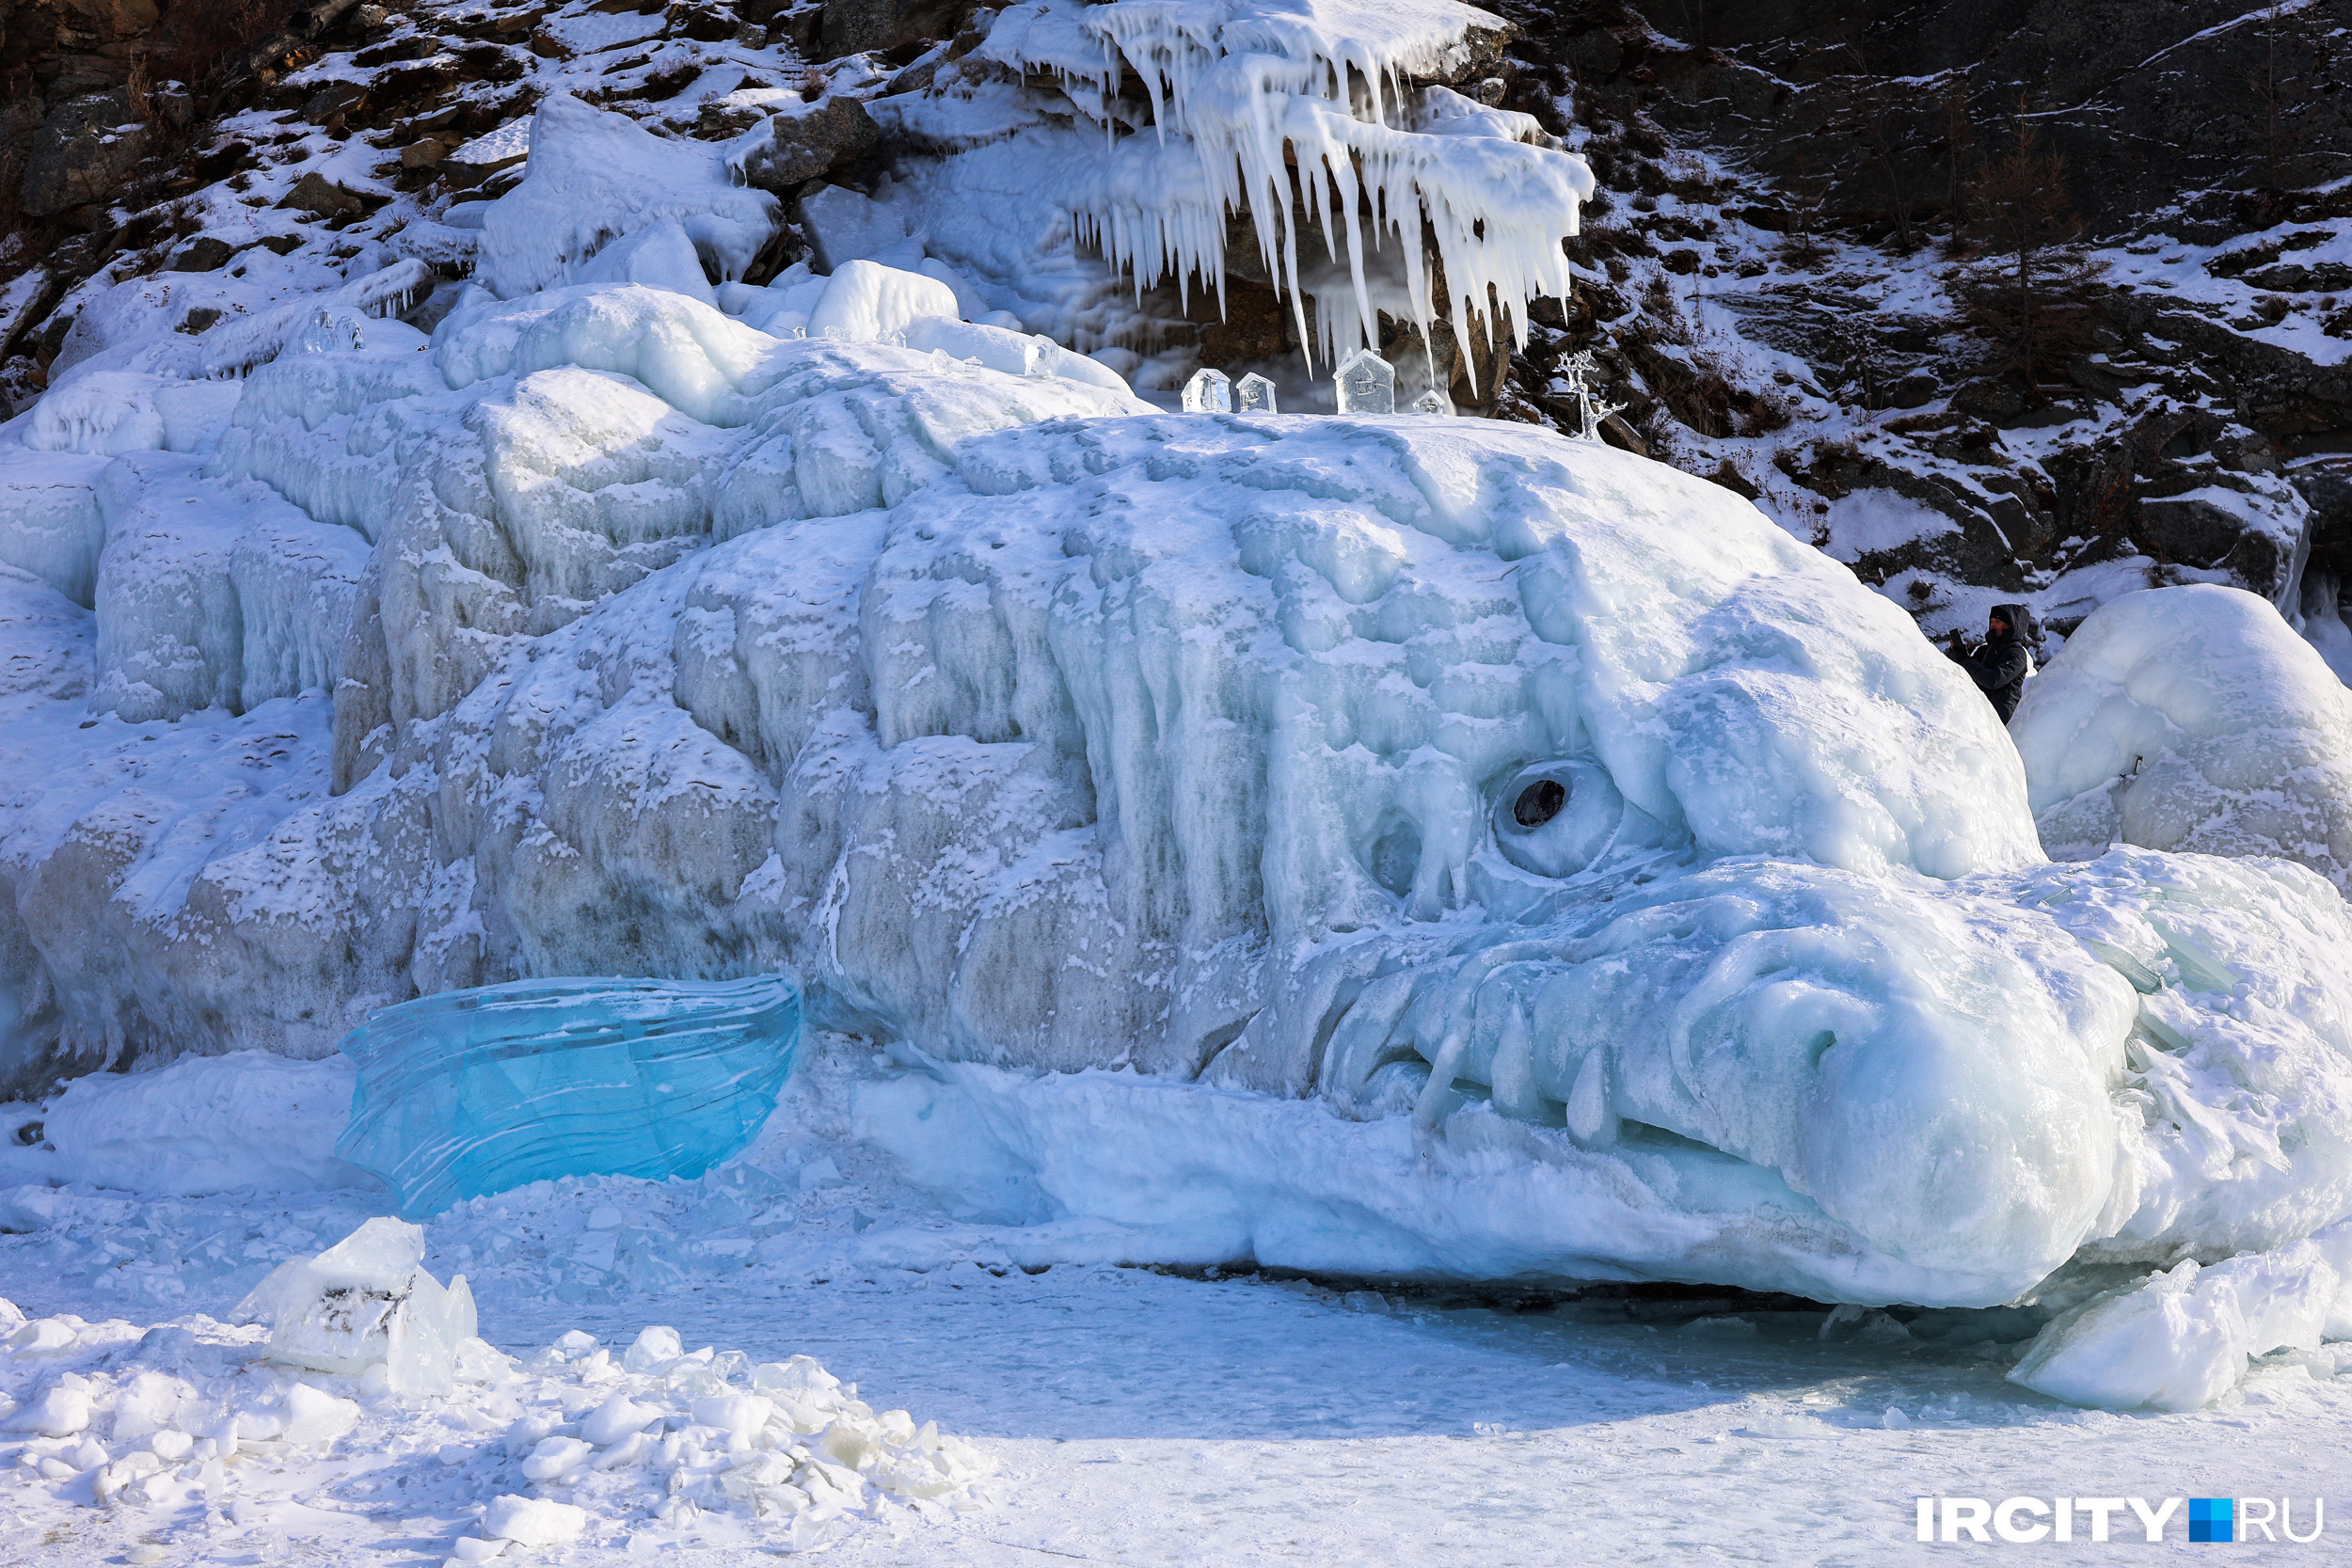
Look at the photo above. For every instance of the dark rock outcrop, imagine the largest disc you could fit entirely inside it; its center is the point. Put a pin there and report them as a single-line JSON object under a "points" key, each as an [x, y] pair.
{"points": [[803, 146], [849, 26], [2146, 100], [57, 48], [81, 153]]}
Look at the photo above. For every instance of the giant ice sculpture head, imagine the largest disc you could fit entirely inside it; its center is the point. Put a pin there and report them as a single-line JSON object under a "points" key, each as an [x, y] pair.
{"points": [[1468, 790], [1417, 768], [1455, 770]]}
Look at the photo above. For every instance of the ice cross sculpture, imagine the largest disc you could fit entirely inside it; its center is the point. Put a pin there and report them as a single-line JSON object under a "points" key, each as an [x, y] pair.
{"points": [[1432, 402], [1208, 393], [1254, 394], [1367, 384], [1583, 372]]}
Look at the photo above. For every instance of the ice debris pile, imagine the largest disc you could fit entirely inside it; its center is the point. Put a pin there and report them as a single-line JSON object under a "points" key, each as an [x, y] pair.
{"points": [[366, 1354], [2182, 1337], [477, 1091], [2190, 718]]}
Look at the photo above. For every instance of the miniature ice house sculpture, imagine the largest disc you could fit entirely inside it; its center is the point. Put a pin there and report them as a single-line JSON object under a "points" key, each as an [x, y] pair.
{"points": [[1208, 393], [1367, 384]]}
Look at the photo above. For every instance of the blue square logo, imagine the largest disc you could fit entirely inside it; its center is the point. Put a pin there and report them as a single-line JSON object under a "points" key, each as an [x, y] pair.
{"points": [[2211, 1519]]}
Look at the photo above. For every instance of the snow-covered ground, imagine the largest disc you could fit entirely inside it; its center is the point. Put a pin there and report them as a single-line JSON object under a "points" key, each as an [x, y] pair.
{"points": [[1137, 1417]]}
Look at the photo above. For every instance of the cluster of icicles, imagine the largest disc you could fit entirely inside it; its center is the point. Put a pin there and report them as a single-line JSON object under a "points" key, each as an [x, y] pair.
{"points": [[1237, 96]]}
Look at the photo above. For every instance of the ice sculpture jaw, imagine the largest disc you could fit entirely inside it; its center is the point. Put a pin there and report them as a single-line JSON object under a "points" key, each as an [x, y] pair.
{"points": [[1931, 1081]]}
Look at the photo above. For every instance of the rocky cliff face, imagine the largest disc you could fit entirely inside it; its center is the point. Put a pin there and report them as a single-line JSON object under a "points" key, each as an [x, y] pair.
{"points": [[2150, 103], [1790, 284], [1791, 289]]}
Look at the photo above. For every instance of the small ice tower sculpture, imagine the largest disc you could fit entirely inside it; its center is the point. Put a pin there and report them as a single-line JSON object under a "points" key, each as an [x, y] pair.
{"points": [[1432, 402], [1208, 393], [1256, 393], [1367, 384]]}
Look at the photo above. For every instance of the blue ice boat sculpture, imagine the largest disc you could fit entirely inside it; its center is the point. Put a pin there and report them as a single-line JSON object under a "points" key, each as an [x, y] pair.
{"points": [[479, 1091]]}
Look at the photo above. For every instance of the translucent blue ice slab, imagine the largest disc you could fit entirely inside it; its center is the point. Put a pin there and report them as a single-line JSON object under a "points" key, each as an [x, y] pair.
{"points": [[479, 1091]]}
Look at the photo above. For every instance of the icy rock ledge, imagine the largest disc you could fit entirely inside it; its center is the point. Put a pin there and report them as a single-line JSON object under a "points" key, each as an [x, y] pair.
{"points": [[196, 1418], [474, 1092]]}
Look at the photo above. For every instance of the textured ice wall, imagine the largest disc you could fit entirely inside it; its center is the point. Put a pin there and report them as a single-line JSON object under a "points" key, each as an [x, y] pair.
{"points": [[2196, 718]]}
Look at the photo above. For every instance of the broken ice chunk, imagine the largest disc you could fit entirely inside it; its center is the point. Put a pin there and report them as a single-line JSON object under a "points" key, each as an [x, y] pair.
{"points": [[313, 1416], [617, 1417], [478, 1091], [657, 1346], [1209, 393], [366, 1301], [2182, 1338], [61, 1410], [333, 1312], [533, 1521], [1367, 384], [556, 1456]]}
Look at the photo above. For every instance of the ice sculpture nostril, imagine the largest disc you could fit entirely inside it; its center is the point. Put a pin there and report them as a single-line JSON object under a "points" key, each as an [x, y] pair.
{"points": [[1539, 802]]}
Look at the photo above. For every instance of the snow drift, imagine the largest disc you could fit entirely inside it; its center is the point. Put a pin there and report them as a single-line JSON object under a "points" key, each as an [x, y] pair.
{"points": [[2191, 717], [205, 1124]]}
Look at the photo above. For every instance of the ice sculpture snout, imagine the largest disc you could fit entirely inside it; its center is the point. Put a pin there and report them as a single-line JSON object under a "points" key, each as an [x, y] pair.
{"points": [[1933, 1078]]}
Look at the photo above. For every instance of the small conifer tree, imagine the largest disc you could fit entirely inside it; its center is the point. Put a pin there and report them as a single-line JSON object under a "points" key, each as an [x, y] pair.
{"points": [[2036, 295]]}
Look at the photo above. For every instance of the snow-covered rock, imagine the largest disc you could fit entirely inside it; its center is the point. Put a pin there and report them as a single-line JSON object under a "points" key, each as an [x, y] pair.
{"points": [[2191, 717], [594, 177]]}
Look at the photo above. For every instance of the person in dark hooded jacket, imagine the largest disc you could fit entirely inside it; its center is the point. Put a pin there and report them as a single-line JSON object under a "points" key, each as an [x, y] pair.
{"points": [[2000, 666]]}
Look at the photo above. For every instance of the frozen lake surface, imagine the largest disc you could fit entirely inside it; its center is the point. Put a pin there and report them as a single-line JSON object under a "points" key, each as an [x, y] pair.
{"points": [[1142, 1418]]}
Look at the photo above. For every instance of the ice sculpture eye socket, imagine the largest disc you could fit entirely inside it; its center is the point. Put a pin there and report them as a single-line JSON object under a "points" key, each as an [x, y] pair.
{"points": [[1554, 818], [1539, 802]]}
